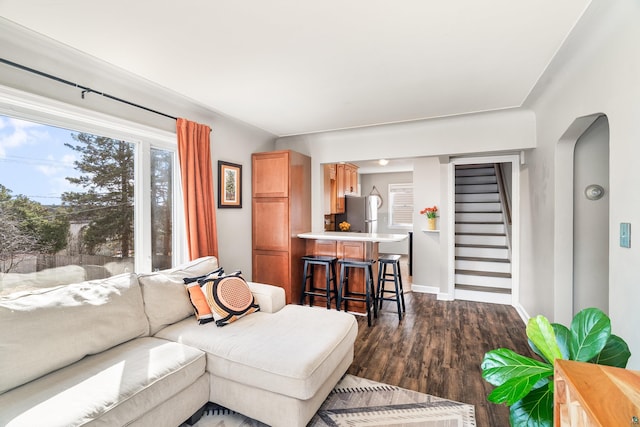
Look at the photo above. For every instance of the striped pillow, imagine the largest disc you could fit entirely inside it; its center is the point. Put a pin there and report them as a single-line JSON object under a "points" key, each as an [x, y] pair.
{"points": [[229, 298]]}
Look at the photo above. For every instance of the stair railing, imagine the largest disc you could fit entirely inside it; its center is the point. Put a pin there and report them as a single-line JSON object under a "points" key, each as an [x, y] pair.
{"points": [[505, 202]]}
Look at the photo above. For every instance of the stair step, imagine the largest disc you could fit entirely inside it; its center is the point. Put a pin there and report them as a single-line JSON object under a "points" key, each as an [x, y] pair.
{"points": [[477, 197], [478, 179], [478, 207], [472, 235], [486, 265], [469, 293], [470, 258], [476, 188], [475, 167], [464, 287], [485, 217], [473, 245], [490, 252], [484, 273], [481, 239], [480, 227], [484, 281]]}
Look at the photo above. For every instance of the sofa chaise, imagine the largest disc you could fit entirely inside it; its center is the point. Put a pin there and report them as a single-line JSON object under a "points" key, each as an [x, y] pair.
{"points": [[127, 351]]}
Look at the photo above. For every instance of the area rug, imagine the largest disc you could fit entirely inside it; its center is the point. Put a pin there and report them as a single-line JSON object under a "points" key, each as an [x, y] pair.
{"points": [[358, 402]]}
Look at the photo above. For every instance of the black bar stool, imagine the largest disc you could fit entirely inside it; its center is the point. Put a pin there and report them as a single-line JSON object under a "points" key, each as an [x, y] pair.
{"points": [[369, 294], [311, 291], [396, 277]]}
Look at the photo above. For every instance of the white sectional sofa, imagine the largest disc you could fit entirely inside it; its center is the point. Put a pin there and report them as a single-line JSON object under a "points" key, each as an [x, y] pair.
{"points": [[128, 351]]}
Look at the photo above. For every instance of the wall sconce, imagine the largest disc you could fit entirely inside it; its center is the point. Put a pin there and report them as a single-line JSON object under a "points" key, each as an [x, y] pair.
{"points": [[594, 192]]}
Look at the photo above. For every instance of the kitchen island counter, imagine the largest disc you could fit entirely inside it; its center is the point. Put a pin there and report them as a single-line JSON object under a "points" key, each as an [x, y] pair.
{"points": [[345, 236], [348, 245]]}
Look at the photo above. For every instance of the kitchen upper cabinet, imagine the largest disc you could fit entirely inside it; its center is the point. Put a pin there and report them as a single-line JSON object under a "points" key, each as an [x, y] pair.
{"points": [[351, 180], [341, 180], [281, 209]]}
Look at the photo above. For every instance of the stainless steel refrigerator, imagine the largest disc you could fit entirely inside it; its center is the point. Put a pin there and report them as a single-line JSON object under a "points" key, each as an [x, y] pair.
{"points": [[361, 213]]}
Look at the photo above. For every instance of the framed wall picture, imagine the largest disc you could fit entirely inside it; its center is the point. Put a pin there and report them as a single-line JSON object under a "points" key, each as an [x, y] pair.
{"points": [[229, 185]]}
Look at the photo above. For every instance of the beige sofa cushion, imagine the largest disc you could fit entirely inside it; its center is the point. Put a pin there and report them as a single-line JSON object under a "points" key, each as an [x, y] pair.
{"points": [[166, 299], [47, 278], [291, 352], [47, 329], [270, 298], [111, 388]]}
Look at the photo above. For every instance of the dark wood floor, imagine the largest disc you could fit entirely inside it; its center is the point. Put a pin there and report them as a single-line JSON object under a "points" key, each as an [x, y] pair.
{"points": [[437, 349]]}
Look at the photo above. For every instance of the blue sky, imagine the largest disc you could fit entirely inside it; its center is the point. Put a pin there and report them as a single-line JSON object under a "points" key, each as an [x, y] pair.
{"points": [[34, 161]]}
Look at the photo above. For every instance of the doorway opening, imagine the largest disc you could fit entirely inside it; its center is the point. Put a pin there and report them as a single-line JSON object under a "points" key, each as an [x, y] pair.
{"points": [[483, 229], [582, 232]]}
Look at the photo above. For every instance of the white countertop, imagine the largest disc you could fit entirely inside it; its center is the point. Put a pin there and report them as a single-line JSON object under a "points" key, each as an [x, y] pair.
{"points": [[354, 237]]}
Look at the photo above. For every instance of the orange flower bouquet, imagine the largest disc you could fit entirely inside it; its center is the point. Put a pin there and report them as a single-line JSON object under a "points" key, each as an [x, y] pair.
{"points": [[429, 212]]}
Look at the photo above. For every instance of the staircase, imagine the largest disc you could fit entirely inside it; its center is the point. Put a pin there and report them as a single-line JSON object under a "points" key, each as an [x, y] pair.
{"points": [[482, 255]]}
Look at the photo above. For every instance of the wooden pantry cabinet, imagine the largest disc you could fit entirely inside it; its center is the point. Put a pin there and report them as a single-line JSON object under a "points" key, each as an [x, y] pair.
{"points": [[281, 209]]}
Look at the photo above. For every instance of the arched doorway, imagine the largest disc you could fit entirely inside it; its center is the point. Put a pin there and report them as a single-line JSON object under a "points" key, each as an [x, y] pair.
{"points": [[582, 224]]}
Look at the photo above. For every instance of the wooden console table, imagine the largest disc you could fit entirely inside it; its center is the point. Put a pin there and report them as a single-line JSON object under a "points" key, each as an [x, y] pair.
{"points": [[590, 395]]}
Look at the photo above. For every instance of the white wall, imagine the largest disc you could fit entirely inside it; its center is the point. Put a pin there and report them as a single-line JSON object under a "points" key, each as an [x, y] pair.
{"points": [[591, 220], [430, 143], [429, 264], [231, 139], [381, 181], [503, 131], [595, 72]]}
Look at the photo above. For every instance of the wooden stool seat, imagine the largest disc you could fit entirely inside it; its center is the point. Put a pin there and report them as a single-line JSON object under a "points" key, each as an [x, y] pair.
{"points": [[311, 290], [368, 296], [394, 276]]}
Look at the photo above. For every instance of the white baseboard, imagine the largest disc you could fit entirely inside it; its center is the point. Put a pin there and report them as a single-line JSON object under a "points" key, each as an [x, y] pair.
{"points": [[522, 313], [477, 296], [445, 296], [425, 289]]}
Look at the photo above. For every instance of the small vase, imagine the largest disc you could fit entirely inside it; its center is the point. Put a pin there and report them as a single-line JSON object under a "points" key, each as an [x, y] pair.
{"points": [[431, 223]]}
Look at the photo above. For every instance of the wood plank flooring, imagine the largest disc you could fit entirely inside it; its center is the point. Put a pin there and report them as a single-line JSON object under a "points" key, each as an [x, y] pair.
{"points": [[437, 349]]}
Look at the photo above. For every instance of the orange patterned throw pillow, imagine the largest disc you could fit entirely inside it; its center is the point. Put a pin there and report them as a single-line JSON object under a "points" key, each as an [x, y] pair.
{"points": [[229, 298], [198, 300]]}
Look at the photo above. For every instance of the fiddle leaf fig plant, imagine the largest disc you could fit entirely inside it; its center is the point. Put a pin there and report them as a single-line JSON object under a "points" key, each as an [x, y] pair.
{"points": [[526, 385]]}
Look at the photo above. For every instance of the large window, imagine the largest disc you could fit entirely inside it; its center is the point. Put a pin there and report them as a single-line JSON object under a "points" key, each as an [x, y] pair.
{"points": [[76, 205]]}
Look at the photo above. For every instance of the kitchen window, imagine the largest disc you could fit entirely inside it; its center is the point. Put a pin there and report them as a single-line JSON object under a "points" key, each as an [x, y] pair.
{"points": [[400, 205]]}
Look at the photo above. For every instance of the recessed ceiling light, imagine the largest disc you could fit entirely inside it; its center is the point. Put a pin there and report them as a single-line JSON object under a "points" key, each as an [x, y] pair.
{"points": [[383, 162]]}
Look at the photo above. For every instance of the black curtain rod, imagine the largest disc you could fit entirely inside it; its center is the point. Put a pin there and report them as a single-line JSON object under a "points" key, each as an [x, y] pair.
{"points": [[85, 89]]}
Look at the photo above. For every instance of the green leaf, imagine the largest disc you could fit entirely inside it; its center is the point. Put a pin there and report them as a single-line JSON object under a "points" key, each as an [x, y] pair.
{"points": [[513, 374], [503, 364], [615, 353], [517, 388], [534, 410], [541, 334], [590, 331], [563, 338]]}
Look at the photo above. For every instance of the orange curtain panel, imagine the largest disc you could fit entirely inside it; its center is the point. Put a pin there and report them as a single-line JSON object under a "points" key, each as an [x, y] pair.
{"points": [[194, 154]]}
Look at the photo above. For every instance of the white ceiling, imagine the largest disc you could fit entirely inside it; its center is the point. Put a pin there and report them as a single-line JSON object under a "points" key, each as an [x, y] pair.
{"points": [[292, 66]]}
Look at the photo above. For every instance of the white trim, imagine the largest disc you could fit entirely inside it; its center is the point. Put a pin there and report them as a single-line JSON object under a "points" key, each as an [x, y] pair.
{"points": [[451, 235], [423, 289], [563, 224], [180, 249], [141, 205], [514, 159], [27, 106], [522, 313]]}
